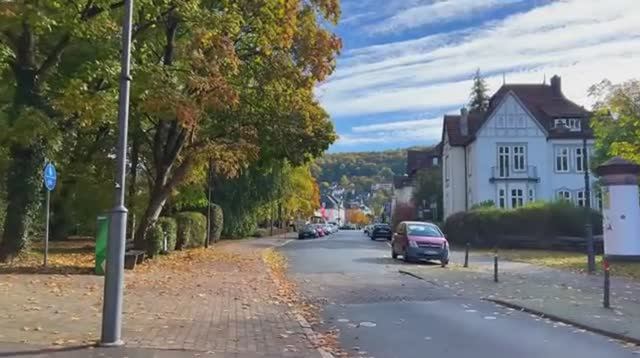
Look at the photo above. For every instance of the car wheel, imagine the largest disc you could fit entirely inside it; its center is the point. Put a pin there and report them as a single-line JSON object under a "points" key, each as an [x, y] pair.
{"points": [[444, 263], [405, 256], [373, 238]]}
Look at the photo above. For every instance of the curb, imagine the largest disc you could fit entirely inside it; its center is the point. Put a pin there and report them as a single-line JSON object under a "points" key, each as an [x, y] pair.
{"points": [[553, 317], [409, 273], [312, 336]]}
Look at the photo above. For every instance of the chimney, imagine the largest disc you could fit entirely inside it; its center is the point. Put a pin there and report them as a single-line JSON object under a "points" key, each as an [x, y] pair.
{"points": [[464, 121], [556, 86]]}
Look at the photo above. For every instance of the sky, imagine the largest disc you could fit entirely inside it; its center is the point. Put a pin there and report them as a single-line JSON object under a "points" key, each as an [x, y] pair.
{"points": [[405, 63]]}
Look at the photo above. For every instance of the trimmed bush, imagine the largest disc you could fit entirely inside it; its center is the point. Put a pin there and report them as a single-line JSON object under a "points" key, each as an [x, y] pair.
{"points": [[535, 225], [170, 231], [192, 229], [217, 222], [155, 237]]}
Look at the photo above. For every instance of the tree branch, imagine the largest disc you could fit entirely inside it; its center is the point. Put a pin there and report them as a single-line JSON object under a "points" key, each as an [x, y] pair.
{"points": [[54, 57]]}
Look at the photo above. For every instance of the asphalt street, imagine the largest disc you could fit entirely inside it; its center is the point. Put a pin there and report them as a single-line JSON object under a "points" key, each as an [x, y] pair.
{"points": [[382, 313]]}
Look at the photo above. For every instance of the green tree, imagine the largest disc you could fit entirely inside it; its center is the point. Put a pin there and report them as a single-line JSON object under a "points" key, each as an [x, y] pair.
{"points": [[344, 182], [386, 174], [616, 120], [39, 44], [428, 189], [479, 100]]}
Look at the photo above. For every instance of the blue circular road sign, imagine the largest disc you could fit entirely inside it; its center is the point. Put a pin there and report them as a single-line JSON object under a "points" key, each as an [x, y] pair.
{"points": [[50, 176]]}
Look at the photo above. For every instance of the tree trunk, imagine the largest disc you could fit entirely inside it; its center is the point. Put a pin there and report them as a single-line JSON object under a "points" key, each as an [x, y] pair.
{"points": [[23, 189], [157, 199]]}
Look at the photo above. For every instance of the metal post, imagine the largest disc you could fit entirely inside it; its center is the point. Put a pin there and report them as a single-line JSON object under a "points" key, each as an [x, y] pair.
{"points": [[114, 275], [466, 255], [495, 266], [605, 264], [46, 229], [208, 236], [588, 227]]}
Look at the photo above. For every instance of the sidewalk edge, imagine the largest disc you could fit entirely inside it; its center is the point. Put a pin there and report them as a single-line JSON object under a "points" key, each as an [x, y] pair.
{"points": [[312, 336], [553, 317]]}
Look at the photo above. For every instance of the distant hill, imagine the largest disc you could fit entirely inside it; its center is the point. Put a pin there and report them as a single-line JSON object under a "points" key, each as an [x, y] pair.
{"points": [[332, 167]]}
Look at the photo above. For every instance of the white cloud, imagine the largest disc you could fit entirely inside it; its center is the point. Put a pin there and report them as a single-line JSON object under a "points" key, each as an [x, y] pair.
{"points": [[399, 132], [581, 40], [436, 12]]}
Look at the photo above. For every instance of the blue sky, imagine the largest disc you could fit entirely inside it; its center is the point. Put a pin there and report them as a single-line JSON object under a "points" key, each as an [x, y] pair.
{"points": [[405, 63]]}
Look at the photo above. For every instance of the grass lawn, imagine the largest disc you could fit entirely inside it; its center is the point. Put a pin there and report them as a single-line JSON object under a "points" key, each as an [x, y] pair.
{"points": [[570, 261]]}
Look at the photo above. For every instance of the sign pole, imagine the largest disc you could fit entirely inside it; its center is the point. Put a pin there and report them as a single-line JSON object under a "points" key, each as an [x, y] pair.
{"points": [[46, 229]]}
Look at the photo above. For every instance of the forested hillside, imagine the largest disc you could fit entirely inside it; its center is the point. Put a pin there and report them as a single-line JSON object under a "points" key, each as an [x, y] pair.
{"points": [[331, 167]]}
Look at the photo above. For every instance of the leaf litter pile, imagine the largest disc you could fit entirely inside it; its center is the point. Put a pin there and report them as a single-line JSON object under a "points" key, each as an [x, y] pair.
{"points": [[289, 294]]}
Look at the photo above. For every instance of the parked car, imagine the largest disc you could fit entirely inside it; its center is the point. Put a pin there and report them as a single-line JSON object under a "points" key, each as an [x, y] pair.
{"points": [[415, 240], [328, 229], [381, 230], [307, 232], [319, 230]]}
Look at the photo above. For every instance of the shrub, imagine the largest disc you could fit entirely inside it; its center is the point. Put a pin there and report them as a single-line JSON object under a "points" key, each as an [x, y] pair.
{"points": [[170, 231], [217, 222], [540, 222], [155, 237], [483, 204], [192, 229]]}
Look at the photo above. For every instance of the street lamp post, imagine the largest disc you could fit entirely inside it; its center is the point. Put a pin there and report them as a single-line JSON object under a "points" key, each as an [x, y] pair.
{"points": [[588, 227], [114, 273]]}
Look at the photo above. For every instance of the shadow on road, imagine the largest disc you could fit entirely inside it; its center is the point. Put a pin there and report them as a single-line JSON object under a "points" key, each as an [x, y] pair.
{"points": [[391, 261]]}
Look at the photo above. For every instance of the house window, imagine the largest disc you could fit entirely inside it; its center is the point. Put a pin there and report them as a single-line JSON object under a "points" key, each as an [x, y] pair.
{"points": [[502, 198], [517, 198], [562, 159], [580, 198], [599, 200], [532, 195], [573, 124], [579, 159], [503, 161], [519, 158], [564, 195], [434, 161]]}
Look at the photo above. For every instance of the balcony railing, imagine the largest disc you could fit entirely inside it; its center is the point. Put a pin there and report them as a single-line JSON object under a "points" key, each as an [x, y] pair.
{"points": [[530, 172]]}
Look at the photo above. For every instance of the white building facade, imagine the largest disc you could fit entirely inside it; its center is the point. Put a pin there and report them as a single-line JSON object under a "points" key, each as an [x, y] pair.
{"points": [[528, 146]]}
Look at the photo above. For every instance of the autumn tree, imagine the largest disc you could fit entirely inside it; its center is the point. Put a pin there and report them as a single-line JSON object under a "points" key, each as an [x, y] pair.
{"points": [[234, 82], [479, 99], [616, 120]]}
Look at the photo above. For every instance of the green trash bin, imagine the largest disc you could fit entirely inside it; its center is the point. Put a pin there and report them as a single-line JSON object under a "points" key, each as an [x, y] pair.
{"points": [[101, 243]]}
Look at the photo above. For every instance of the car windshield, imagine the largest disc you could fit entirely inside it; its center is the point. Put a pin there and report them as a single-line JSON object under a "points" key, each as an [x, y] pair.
{"points": [[423, 230], [382, 226]]}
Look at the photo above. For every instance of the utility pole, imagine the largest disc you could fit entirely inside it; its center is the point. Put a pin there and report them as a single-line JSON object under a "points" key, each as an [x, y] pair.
{"points": [[588, 227], [114, 275]]}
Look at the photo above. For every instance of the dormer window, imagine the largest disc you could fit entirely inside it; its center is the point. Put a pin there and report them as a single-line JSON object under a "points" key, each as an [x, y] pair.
{"points": [[572, 124]]}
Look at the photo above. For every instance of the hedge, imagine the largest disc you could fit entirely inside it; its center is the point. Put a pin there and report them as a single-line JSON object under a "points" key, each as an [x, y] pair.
{"points": [[217, 222], [170, 230], [490, 227], [155, 237], [192, 230]]}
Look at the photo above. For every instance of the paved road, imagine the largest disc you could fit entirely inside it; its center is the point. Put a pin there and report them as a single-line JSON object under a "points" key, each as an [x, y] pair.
{"points": [[384, 314]]}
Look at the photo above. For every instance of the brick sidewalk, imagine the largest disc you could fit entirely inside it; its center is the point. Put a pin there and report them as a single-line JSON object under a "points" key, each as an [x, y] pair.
{"points": [[571, 296], [225, 304]]}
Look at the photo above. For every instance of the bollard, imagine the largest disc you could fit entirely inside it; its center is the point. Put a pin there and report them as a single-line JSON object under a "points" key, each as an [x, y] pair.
{"points": [[605, 264], [495, 266], [466, 255]]}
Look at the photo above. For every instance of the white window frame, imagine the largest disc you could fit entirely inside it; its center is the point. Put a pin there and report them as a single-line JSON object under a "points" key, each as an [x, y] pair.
{"points": [[519, 153], [504, 162], [517, 198], [559, 153], [502, 198], [580, 198], [564, 194], [531, 195], [579, 159]]}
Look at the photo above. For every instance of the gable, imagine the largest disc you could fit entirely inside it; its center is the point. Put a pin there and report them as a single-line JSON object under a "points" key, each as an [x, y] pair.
{"points": [[511, 119]]}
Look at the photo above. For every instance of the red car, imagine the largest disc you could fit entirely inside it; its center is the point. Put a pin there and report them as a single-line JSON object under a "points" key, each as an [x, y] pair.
{"points": [[416, 240]]}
